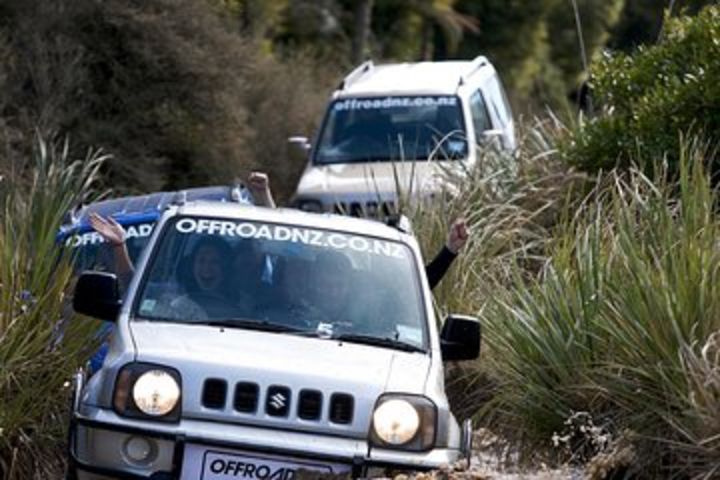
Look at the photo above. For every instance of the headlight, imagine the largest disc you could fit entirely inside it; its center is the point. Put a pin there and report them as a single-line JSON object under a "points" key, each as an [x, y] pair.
{"points": [[404, 422], [144, 390], [396, 422], [156, 393]]}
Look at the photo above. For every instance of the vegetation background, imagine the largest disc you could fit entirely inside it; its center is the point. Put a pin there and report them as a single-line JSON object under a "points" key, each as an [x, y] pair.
{"points": [[593, 265], [200, 91]]}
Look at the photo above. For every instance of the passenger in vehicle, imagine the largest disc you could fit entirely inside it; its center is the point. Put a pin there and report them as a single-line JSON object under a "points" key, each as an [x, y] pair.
{"points": [[204, 277], [288, 301], [251, 270]]}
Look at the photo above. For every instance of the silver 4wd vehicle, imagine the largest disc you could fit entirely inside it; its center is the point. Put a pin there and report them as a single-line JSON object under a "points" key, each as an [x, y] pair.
{"points": [[402, 125], [255, 343]]}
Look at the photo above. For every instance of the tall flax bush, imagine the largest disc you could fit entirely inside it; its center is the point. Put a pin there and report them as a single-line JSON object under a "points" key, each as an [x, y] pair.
{"points": [[512, 203], [40, 345], [619, 325]]}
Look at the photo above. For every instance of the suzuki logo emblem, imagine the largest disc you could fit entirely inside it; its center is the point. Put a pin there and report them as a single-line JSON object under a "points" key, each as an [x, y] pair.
{"points": [[278, 401]]}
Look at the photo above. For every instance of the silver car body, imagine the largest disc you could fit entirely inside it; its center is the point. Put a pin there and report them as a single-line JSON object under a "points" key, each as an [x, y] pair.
{"points": [[100, 435]]}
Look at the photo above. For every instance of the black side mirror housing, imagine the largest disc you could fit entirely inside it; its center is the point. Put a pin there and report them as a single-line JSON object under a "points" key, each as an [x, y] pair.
{"points": [[460, 338], [97, 295]]}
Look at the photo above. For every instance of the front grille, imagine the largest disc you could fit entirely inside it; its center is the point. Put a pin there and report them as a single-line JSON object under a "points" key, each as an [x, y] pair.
{"points": [[341, 408], [277, 402], [246, 397], [310, 405], [214, 393]]}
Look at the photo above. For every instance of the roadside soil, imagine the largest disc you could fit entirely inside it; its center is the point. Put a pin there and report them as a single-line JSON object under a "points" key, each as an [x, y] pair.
{"points": [[486, 464]]}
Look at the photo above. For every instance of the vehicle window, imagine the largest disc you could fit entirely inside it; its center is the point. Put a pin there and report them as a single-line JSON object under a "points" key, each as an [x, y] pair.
{"points": [[480, 116], [392, 128], [498, 100], [301, 279]]}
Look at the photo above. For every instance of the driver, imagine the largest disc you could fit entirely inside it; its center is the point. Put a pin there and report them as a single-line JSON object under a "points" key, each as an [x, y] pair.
{"points": [[288, 303]]}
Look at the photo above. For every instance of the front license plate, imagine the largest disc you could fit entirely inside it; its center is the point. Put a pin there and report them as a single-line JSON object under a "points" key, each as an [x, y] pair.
{"points": [[211, 463]]}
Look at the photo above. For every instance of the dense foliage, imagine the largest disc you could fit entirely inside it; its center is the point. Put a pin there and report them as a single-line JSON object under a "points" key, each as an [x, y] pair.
{"points": [[170, 88], [597, 293], [651, 97]]}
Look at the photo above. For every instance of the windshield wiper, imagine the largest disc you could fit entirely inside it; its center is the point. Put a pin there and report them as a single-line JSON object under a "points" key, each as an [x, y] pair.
{"points": [[377, 341], [250, 324]]}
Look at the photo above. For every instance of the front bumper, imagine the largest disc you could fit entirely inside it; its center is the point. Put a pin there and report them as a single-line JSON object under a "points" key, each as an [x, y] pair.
{"points": [[98, 437]]}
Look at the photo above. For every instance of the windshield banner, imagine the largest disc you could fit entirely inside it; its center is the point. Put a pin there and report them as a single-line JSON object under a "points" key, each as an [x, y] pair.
{"points": [[393, 102], [92, 237], [283, 233]]}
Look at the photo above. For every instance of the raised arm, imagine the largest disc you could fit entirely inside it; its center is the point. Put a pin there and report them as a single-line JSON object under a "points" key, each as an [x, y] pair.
{"points": [[456, 240], [114, 234], [259, 185]]}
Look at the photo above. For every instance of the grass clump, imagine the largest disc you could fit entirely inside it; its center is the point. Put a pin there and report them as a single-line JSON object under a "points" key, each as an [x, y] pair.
{"points": [[40, 344], [513, 204], [618, 325]]}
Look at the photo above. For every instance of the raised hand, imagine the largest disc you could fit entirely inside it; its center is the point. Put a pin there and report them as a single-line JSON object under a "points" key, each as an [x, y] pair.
{"points": [[458, 235], [108, 228], [259, 185]]}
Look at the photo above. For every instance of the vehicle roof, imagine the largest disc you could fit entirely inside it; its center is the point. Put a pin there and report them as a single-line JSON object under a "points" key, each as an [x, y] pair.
{"points": [[293, 217], [148, 208], [438, 78]]}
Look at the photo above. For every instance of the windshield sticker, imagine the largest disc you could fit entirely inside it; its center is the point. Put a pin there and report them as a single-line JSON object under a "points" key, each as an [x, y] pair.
{"points": [[409, 333], [147, 306], [456, 146], [393, 102], [91, 238], [282, 233]]}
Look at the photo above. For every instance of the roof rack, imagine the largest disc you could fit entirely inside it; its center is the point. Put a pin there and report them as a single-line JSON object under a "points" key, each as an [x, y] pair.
{"points": [[356, 74], [476, 64]]}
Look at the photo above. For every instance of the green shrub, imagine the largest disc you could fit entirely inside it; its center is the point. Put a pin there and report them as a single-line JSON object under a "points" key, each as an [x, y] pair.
{"points": [[40, 345], [649, 98]]}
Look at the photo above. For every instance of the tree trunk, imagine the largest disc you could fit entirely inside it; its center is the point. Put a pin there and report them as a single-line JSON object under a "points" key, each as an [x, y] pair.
{"points": [[363, 19]]}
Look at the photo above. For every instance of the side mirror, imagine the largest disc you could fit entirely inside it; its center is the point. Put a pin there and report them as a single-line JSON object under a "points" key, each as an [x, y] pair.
{"points": [[97, 295], [460, 338], [300, 142], [491, 137]]}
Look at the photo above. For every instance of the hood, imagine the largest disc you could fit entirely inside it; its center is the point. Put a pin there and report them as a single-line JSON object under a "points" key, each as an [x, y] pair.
{"points": [[273, 359], [368, 180]]}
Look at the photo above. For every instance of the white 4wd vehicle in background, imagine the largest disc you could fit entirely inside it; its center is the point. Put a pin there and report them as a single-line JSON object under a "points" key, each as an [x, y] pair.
{"points": [[254, 343], [401, 124]]}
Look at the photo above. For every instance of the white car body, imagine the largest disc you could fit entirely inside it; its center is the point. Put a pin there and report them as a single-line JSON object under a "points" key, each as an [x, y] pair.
{"points": [[350, 187]]}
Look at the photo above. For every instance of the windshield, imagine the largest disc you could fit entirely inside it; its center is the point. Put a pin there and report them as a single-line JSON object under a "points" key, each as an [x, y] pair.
{"points": [[392, 128], [91, 252], [281, 278]]}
